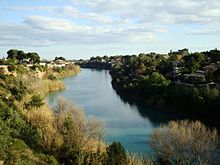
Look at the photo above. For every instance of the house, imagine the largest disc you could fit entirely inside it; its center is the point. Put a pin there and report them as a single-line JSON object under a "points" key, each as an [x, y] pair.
{"points": [[60, 61], [43, 63], [29, 65], [197, 77]]}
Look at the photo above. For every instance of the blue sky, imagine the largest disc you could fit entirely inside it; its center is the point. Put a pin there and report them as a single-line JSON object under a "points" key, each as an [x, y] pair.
{"points": [[83, 28]]}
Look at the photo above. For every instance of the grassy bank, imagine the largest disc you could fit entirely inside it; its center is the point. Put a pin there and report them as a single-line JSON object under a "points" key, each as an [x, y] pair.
{"points": [[62, 72], [35, 134]]}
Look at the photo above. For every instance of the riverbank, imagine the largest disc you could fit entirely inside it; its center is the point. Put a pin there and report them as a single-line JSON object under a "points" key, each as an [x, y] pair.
{"points": [[163, 103], [153, 77], [43, 136], [26, 121], [124, 121], [64, 135]]}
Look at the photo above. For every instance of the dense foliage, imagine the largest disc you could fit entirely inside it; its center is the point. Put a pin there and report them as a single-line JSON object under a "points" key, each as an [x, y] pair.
{"points": [[20, 56], [183, 82], [116, 154]]}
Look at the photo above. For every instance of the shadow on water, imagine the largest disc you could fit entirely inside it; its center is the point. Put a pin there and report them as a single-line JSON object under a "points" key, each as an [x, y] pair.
{"points": [[156, 117]]}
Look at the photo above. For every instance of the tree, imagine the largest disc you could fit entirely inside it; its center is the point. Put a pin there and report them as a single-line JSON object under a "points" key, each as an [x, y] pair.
{"points": [[192, 61], [184, 142], [157, 79], [43, 120], [199, 57], [12, 53], [214, 55], [62, 106], [34, 57], [116, 154], [81, 136], [60, 58], [21, 55]]}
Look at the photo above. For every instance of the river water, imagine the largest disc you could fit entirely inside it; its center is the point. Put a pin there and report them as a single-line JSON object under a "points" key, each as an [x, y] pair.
{"points": [[130, 123]]}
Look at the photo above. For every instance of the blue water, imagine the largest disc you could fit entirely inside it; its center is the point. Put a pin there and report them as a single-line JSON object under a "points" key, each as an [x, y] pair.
{"points": [[131, 124]]}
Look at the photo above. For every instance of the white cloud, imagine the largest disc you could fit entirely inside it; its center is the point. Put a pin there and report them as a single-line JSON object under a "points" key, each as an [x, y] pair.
{"points": [[172, 11], [203, 32], [21, 35], [56, 24], [105, 22], [75, 13], [116, 12], [32, 8], [47, 31], [66, 11]]}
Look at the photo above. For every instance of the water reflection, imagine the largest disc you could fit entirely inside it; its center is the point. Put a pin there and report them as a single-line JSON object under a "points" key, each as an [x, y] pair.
{"points": [[154, 116]]}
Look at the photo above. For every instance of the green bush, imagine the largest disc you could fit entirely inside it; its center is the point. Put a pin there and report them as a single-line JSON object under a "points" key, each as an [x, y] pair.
{"points": [[52, 77], [11, 68], [5, 139], [20, 154], [21, 69], [49, 159], [116, 154], [36, 101]]}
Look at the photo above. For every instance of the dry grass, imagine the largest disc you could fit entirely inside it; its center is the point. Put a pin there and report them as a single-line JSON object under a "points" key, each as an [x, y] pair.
{"points": [[68, 71], [134, 159]]}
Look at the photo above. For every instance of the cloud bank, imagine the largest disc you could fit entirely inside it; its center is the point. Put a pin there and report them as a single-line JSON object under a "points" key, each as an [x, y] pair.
{"points": [[109, 22]]}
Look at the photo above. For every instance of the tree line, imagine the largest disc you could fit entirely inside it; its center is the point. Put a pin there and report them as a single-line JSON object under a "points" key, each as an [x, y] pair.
{"points": [[21, 56], [150, 77]]}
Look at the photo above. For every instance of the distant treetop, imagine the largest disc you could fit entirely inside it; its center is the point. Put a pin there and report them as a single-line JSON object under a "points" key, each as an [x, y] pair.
{"points": [[60, 58], [19, 55]]}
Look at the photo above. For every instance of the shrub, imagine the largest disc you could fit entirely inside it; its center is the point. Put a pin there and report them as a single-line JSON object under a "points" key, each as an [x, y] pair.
{"points": [[36, 101], [52, 77], [184, 142], [20, 153], [11, 68], [116, 154], [5, 139], [21, 69]]}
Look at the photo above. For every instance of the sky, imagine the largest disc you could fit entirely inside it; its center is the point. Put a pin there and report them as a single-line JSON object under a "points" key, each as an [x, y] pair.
{"points": [[78, 29]]}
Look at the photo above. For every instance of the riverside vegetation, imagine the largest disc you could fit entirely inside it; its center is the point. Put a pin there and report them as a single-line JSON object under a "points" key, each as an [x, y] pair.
{"points": [[32, 133], [180, 82]]}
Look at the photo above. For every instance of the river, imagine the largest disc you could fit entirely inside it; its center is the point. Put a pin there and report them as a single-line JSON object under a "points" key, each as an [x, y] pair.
{"points": [[130, 123]]}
